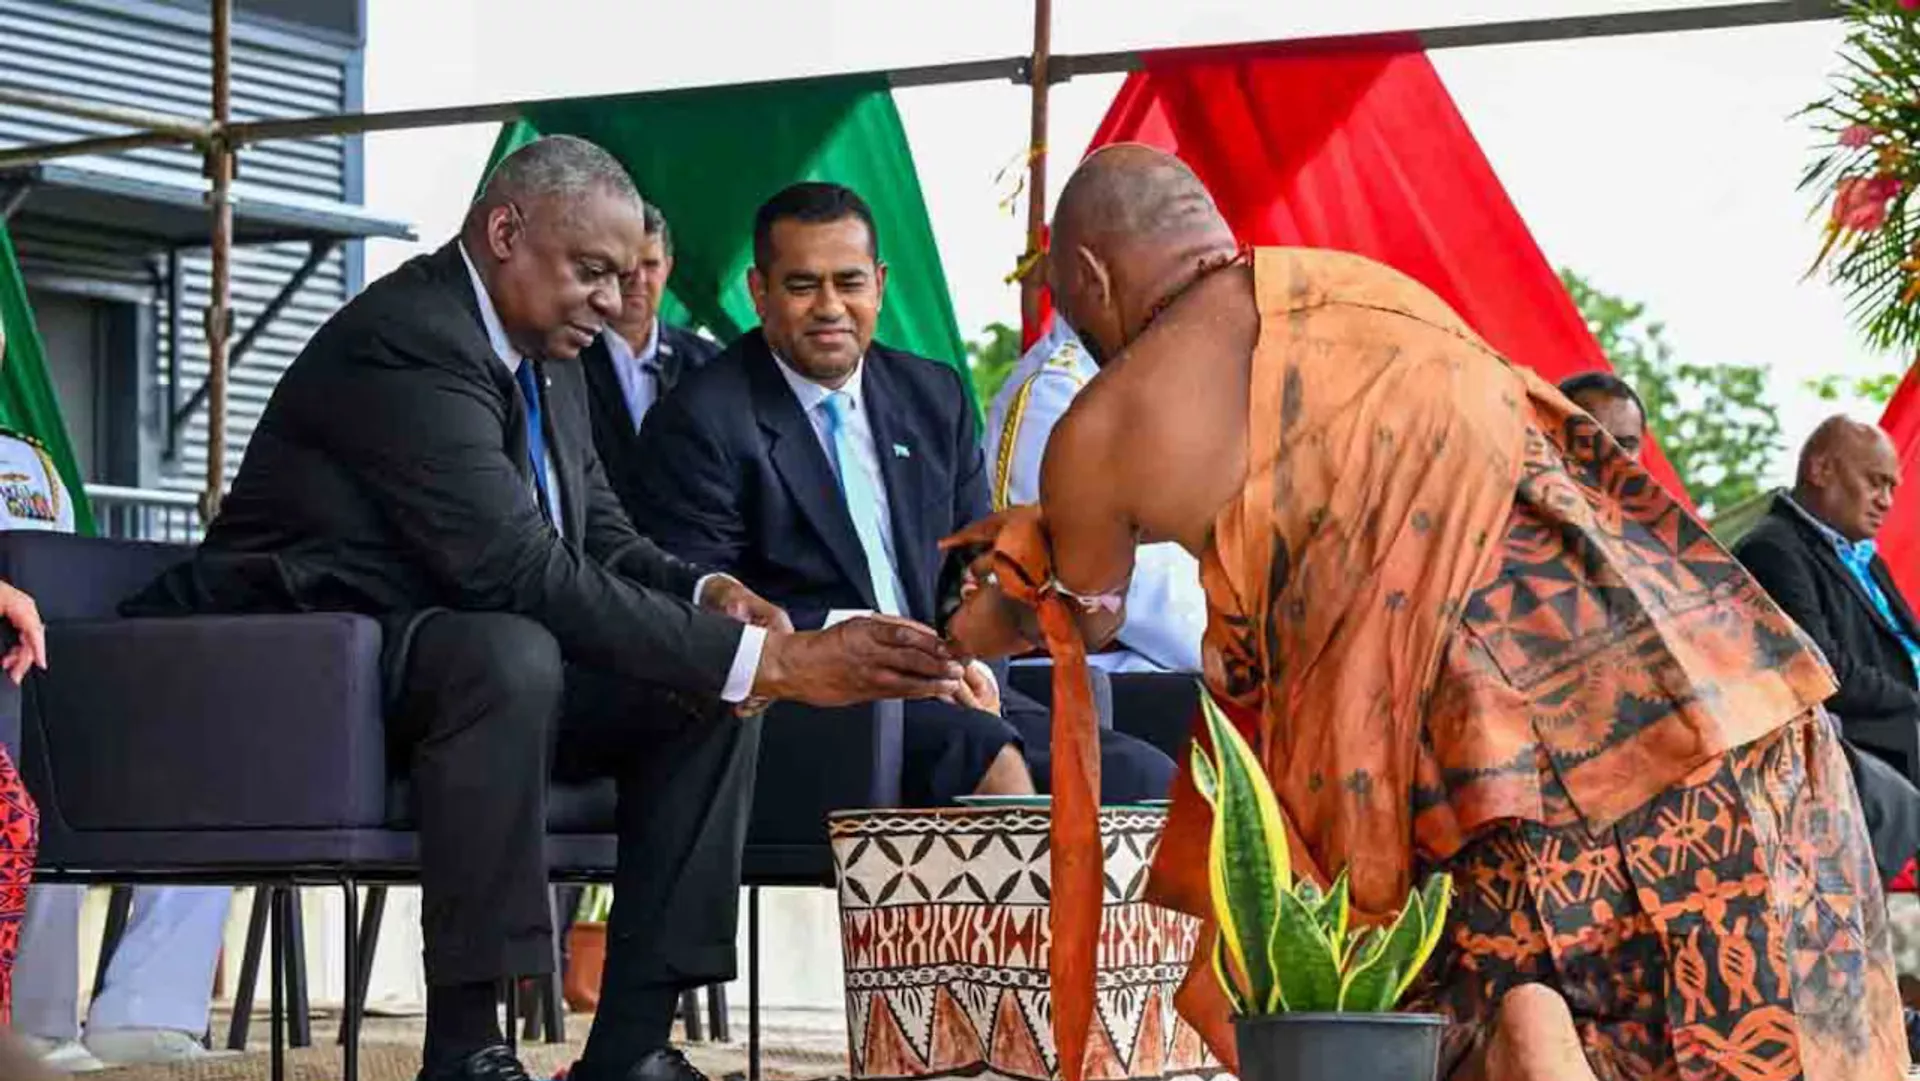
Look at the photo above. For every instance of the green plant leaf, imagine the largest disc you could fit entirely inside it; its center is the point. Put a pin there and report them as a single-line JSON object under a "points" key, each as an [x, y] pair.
{"points": [[1373, 984], [1434, 900], [1220, 973], [1204, 777], [1247, 855], [1305, 963], [1334, 911]]}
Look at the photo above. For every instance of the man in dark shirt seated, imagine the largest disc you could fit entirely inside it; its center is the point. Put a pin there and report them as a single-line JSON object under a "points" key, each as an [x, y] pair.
{"points": [[427, 460], [823, 469], [1814, 552]]}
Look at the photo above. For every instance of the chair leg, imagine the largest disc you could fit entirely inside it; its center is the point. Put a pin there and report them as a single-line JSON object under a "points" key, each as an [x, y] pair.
{"points": [[553, 1003], [368, 941], [351, 1010], [276, 979], [299, 1018], [513, 1014], [249, 969], [753, 984], [717, 1020], [119, 910], [690, 1015]]}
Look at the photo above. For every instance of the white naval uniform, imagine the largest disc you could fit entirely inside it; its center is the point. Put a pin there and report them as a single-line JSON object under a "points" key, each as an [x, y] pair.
{"points": [[1166, 608]]}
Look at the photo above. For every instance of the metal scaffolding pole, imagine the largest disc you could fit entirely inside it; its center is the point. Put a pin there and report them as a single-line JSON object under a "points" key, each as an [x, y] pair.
{"points": [[219, 314], [1039, 71], [1672, 19]]}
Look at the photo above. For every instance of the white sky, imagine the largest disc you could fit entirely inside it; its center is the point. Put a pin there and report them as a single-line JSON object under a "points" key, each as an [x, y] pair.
{"points": [[1662, 168]]}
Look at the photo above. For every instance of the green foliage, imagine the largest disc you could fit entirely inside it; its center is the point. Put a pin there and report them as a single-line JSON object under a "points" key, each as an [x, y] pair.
{"points": [[1284, 945], [596, 904], [1865, 169], [1870, 389], [1714, 422], [991, 359]]}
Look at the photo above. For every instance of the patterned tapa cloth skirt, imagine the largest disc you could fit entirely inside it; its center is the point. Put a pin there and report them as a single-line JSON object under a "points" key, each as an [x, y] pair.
{"points": [[1732, 928], [19, 837]]}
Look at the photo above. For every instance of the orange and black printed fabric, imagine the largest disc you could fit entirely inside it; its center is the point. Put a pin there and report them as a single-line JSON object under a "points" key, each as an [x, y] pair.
{"points": [[1731, 928], [19, 838]]}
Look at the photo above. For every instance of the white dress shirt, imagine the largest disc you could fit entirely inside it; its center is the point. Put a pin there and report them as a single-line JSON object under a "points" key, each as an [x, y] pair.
{"points": [[1166, 607], [753, 640], [859, 435], [639, 373]]}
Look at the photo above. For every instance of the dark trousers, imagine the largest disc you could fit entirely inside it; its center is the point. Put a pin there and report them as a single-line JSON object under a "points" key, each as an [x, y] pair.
{"points": [[1890, 806], [949, 747], [487, 712]]}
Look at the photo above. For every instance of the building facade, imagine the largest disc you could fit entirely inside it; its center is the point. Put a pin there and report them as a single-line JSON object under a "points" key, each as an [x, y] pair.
{"points": [[114, 250]]}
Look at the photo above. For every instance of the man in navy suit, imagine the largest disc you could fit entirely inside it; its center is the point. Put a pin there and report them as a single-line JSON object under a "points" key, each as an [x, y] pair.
{"points": [[638, 358], [823, 468]]}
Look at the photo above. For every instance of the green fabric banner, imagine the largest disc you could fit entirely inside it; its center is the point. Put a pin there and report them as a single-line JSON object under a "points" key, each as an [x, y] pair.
{"points": [[708, 158], [27, 401]]}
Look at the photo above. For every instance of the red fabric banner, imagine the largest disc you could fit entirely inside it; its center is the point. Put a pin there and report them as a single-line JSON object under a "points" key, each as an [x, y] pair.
{"points": [[1362, 152], [1899, 538]]}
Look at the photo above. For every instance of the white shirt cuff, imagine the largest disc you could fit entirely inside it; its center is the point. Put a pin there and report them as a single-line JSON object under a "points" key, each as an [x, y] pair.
{"points": [[841, 615], [746, 665]]}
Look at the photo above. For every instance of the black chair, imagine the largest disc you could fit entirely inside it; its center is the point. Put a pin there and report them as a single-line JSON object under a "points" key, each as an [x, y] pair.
{"points": [[1158, 707], [251, 750]]}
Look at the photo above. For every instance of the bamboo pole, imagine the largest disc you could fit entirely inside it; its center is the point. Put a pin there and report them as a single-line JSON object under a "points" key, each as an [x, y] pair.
{"points": [[219, 313], [1032, 280]]}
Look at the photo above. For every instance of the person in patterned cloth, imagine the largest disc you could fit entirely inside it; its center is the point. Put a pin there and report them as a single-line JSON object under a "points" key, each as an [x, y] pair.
{"points": [[19, 820], [1466, 633]]}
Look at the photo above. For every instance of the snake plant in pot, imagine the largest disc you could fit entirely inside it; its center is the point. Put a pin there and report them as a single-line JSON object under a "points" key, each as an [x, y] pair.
{"points": [[1313, 995]]}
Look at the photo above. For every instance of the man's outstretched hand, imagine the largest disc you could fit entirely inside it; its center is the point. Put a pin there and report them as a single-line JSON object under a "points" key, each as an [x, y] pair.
{"points": [[861, 660]]}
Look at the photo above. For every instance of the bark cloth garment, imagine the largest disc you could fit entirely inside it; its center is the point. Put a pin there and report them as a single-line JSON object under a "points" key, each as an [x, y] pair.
{"points": [[1466, 632], [19, 838]]}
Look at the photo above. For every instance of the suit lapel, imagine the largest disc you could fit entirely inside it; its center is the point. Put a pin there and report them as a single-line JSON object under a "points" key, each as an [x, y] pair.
{"points": [[563, 387], [1902, 613], [803, 467], [605, 398], [912, 545], [1823, 551], [671, 361]]}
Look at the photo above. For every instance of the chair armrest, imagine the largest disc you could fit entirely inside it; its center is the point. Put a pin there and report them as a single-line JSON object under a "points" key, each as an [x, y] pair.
{"points": [[1036, 682], [815, 761], [227, 722]]}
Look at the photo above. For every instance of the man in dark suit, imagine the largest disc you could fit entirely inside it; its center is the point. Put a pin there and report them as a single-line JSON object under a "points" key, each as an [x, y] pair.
{"points": [[1814, 554], [824, 469], [638, 359], [427, 460]]}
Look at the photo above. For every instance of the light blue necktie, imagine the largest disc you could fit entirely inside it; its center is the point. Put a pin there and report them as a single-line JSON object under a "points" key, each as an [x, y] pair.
{"points": [[862, 504]]}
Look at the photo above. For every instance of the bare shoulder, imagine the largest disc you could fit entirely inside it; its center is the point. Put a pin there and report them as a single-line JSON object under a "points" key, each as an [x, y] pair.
{"points": [[1164, 423]]}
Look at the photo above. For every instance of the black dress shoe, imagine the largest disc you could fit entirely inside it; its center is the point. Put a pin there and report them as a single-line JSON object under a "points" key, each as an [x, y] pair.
{"points": [[666, 1064], [494, 1063]]}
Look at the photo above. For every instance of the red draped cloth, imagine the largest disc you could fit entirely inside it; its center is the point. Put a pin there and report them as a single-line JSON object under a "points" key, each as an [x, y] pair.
{"points": [[1362, 152], [1900, 537]]}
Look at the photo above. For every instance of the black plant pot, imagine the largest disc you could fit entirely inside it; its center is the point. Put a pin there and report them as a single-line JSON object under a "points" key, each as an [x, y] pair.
{"points": [[1340, 1046]]}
